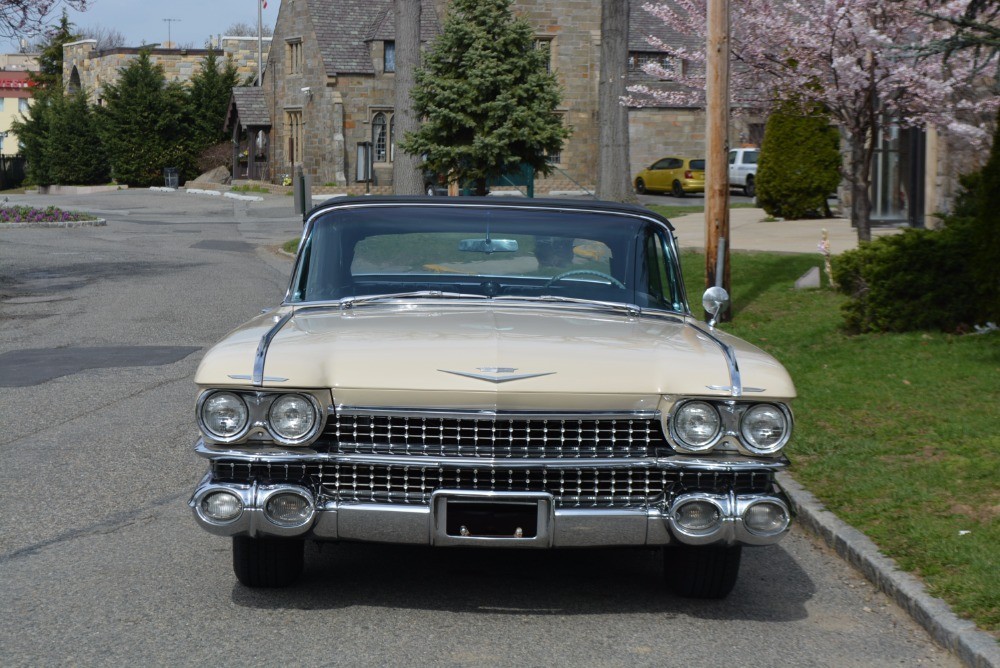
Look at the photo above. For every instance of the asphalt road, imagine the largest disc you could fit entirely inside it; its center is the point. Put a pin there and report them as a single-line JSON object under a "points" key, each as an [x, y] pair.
{"points": [[101, 330]]}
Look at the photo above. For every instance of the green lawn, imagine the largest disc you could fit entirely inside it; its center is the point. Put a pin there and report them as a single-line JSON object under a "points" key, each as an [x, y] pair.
{"points": [[896, 434]]}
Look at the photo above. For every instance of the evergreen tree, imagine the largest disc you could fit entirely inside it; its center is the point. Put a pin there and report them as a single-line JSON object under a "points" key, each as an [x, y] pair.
{"points": [[50, 58], [211, 89], [74, 152], [32, 130], [486, 97], [143, 125], [799, 163]]}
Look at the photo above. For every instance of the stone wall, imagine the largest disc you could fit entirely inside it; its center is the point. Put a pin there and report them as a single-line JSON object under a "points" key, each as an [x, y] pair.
{"points": [[84, 66]]}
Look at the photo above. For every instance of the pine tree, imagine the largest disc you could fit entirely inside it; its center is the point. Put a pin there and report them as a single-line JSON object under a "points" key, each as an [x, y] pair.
{"points": [[143, 124], [32, 129], [50, 59], [799, 163], [486, 97], [74, 151], [209, 95]]}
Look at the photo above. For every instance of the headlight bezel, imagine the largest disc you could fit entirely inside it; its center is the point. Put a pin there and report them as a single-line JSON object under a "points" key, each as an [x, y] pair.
{"points": [[731, 413], [258, 430]]}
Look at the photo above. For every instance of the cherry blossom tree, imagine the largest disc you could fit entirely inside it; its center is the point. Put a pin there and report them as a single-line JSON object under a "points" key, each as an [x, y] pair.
{"points": [[861, 60], [27, 18]]}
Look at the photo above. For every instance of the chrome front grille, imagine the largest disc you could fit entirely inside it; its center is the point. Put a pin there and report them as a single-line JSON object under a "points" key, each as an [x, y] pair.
{"points": [[543, 437], [413, 483]]}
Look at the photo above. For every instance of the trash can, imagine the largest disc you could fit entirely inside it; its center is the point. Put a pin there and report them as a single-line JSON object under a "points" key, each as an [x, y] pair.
{"points": [[171, 178]]}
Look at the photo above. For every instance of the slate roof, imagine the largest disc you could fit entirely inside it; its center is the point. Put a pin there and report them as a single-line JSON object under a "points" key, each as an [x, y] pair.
{"points": [[248, 104], [343, 26]]}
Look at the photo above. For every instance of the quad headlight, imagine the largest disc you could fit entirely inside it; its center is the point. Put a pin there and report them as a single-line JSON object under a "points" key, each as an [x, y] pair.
{"points": [[236, 416], [697, 426]]}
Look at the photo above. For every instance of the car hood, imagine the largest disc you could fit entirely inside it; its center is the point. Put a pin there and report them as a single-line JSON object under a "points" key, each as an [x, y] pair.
{"points": [[494, 357]]}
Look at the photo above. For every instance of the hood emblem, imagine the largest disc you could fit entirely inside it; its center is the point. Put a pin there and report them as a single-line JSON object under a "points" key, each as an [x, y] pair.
{"points": [[497, 374]]}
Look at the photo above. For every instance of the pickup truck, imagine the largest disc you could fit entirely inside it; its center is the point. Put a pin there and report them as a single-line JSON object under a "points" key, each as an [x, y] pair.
{"points": [[743, 169]]}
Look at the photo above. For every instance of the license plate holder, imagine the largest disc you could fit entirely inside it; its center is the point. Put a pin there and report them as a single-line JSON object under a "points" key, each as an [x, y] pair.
{"points": [[497, 519]]}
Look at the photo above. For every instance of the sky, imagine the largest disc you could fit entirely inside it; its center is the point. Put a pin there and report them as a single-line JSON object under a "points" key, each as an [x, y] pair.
{"points": [[141, 21]]}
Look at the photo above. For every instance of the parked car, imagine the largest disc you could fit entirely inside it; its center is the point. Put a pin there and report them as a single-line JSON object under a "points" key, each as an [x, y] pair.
{"points": [[743, 169], [491, 373], [678, 176]]}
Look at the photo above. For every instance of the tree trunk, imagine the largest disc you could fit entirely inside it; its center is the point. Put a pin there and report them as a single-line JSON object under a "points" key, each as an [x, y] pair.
{"points": [[614, 181], [860, 167], [407, 170]]}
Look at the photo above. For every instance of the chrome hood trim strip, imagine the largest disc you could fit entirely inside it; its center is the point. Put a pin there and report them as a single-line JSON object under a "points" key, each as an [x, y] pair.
{"points": [[491, 414], [736, 383], [265, 342]]}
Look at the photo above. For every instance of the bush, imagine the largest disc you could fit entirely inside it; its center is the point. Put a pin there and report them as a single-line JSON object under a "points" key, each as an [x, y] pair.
{"points": [[919, 279], [74, 151], [219, 155], [799, 163]]}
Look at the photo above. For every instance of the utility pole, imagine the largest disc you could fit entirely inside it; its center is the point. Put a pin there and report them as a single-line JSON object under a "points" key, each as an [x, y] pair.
{"points": [[717, 149], [260, 41], [170, 44]]}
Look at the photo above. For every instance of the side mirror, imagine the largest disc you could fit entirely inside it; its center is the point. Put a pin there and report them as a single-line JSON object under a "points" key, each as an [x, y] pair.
{"points": [[715, 300]]}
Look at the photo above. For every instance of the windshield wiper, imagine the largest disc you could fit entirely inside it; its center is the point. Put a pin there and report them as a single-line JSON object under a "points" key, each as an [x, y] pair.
{"points": [[617, 306], [349, 302]]}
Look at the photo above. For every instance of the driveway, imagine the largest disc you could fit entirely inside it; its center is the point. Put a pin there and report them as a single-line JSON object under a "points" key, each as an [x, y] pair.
{"points": [[101, 330]]}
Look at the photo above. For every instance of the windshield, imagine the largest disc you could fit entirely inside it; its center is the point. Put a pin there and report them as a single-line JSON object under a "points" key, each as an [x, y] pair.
{"points": [[487, 252]]}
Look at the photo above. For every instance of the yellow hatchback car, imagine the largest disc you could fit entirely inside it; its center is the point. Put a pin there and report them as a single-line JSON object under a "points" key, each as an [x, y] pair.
{"points": [[678, 176]]}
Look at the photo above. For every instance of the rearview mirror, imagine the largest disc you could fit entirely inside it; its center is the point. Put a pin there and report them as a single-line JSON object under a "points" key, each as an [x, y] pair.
{"points": [[488, 245], [715, 300]]}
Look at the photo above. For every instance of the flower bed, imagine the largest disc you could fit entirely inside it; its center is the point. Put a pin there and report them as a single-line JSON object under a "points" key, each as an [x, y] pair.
{"points": [[29, 214]]}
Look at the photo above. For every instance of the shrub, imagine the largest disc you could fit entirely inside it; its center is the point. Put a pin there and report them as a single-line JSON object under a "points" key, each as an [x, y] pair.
{"points": [[219, 155], [919, 279], [799, 163], [74, 151]]}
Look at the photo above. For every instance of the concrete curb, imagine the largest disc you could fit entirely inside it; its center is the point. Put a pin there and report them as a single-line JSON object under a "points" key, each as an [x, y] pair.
{"points": [[99, 222], [973, 647]]}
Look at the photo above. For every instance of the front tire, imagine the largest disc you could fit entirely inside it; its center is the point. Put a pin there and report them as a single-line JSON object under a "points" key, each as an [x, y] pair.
{"points": [[640, 186], [678, 189], [701, 572], [429, 190], [750, 189], [267, 562]]}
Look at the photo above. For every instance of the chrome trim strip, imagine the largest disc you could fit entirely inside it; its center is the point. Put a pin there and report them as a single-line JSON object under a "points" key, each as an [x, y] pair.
{"points": [[265, 342], [267, 379], [736, 384], [497, 379], [692, 463], [487, 414]]}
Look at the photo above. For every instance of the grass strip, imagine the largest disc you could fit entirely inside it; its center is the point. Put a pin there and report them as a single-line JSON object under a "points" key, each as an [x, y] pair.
{"points": [[895, 433]]}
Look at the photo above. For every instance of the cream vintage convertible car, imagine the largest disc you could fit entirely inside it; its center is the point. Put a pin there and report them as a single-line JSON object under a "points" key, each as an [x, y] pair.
{"points": [[496, 373]]}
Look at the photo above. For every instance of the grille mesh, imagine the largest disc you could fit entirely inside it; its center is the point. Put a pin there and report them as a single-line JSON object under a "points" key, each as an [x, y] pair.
{"points": [[413, 483], [536, 438]]}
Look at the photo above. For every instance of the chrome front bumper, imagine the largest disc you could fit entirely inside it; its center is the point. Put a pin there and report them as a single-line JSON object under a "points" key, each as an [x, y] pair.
{"points": [[544, 524]]}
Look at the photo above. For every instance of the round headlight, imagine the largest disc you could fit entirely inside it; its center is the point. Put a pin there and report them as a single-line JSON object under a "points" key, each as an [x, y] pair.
{"points": [[224, 415], [292, 417], [764, 428], [697, 425]]}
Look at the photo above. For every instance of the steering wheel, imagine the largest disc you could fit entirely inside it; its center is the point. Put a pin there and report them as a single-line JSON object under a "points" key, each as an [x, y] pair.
{"points": [[586, 272]]}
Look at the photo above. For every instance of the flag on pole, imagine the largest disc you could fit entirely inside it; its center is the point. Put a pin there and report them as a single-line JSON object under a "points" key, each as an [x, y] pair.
{"points": [[263, 3]]}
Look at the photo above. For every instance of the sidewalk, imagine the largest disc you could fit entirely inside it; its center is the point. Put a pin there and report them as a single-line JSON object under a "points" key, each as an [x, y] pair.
{"points": [[748, 232]]}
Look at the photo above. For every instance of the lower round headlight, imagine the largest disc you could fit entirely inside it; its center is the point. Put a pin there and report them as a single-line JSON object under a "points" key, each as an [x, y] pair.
{"points": [[764, 428], [224, 415], [292, 417], [697, 516], [287, 509], [765, 518], [221, 506], [697, 425]]}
